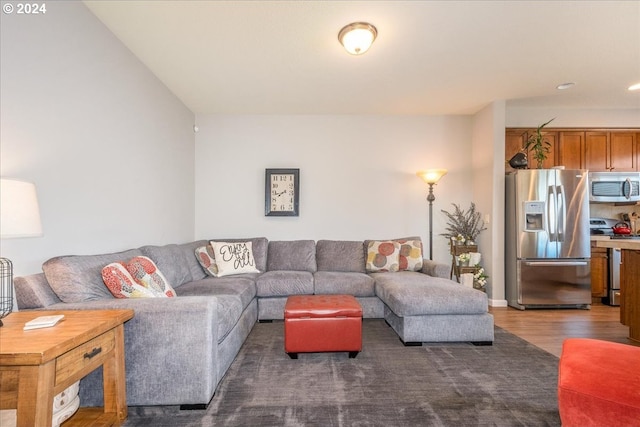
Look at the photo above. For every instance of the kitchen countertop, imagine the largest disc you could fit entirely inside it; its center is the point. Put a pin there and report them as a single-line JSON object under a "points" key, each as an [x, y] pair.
{"points": [[616, 243]]}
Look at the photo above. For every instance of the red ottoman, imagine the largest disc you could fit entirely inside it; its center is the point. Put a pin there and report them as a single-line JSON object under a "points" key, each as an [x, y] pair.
{"points": [[599, 383], [315, 323]]}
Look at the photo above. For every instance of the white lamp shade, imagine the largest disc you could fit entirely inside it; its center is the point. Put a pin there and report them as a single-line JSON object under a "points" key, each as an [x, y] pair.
{"points": [[357, 37], [19, 211], [431, 176]]}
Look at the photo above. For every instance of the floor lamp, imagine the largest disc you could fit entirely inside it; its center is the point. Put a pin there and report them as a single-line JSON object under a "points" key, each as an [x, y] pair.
{"points": [[431, 177], [19, 217]]}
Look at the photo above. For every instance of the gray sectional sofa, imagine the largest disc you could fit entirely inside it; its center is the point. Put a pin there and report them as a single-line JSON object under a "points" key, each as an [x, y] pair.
{"points": [[177, 350]]}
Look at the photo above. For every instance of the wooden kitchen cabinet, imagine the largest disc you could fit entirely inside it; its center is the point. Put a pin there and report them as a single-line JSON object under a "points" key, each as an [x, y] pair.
{"points": [[571, 149], [623, 151], [596, 153], [516, 140], [610, 151], [592, 149], [599, 271]]}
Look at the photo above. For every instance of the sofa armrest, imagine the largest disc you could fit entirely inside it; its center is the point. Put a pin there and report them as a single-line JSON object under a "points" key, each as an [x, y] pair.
{"points": [[436, 269], [170, 345]]}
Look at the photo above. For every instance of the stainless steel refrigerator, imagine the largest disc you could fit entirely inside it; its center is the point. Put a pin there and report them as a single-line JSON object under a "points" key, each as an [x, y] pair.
{"points": [[547, 239]]}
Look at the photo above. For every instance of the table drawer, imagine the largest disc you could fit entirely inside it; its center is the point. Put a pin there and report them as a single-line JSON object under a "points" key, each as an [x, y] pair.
{"points": [[89, 354]]}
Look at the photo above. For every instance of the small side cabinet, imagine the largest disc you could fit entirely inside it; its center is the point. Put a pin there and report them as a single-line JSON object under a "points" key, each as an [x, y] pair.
{"points": [[599, 271]]}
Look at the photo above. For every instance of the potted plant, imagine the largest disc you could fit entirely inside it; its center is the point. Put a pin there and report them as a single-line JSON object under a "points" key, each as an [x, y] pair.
{"points": [[463, 225], [463, 259], [538, 145]]}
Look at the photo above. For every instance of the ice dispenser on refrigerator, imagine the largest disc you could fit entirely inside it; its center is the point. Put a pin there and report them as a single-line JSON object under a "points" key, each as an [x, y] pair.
{"points": [[533, 216]]}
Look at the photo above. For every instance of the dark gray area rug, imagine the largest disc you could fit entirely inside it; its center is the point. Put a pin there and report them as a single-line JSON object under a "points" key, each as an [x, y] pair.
{"points": [[512, 383]]}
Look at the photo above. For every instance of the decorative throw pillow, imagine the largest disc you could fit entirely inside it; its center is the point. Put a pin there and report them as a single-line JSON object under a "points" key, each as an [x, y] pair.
{"points": [[383, 256], [410, 255], [121, 284], [145, 272], [234, 258], [207, 260]]}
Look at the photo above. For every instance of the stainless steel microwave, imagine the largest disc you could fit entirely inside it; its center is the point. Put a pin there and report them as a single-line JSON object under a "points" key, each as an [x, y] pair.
{"points": [[611, 187]]}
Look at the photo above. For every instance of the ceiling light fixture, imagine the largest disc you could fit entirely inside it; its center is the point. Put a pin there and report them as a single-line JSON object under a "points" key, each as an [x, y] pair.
{"points": [[357, 37], [634, 87], [564, 86]]}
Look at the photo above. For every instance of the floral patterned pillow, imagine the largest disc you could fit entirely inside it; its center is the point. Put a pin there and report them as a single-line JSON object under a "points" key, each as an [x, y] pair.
{"points": [[138, 278], [145, 272], [383, 256], [120, 283], [207, 260], [410, 254]]}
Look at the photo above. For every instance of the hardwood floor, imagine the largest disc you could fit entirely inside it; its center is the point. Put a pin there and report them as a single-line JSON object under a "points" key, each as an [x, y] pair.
{"points": [[548, 328]]}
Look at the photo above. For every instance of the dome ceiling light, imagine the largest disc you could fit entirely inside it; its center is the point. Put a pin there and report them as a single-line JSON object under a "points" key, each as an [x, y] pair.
{"points": [[357, 37]]}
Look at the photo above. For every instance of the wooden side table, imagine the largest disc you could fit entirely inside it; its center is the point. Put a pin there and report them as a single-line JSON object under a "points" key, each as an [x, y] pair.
{"points": [[455, 268], [36, 365]]}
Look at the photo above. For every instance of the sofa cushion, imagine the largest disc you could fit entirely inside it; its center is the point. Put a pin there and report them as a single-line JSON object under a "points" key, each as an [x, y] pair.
{"points": [[242, 287], [259, 246], [172, 261], [293, 255], [343, 282], [382, 255], [340, 255], [121, 284], [233, 258], [409, 293], [77, 278], [284, 283]]}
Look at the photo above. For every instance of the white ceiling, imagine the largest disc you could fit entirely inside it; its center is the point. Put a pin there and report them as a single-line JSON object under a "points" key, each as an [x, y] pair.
{"points": [[430, 57]]}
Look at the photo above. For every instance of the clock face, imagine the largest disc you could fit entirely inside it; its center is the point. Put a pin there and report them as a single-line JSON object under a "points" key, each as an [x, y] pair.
{"points": [[282, 192]]}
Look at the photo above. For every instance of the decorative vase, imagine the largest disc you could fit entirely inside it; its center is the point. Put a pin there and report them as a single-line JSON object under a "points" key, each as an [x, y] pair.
{"points": [[463, 263], [519, 161]]}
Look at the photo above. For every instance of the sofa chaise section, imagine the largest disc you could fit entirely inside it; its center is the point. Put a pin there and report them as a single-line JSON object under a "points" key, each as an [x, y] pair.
{"points": [[437, 310]]}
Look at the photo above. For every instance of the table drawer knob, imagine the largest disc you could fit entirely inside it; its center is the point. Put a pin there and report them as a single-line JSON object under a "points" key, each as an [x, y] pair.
{"points": [[94, 352]]}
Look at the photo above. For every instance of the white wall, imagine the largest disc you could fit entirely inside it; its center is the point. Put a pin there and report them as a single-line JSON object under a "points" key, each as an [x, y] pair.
{"points": [[357, 175], [488, 194], [109, 148], [533, 117]]}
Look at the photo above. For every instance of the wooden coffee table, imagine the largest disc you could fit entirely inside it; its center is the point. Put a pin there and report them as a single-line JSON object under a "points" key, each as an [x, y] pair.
{"points": [[38, 364]]}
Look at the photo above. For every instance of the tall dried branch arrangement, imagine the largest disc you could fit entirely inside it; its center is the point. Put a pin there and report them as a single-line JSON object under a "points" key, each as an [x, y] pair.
{"points": [[467, 223]]}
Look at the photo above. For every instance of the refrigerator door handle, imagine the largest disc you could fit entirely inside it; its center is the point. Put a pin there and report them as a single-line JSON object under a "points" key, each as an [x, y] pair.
{"points": [[561, 213], [551, 213], [556, 263]]}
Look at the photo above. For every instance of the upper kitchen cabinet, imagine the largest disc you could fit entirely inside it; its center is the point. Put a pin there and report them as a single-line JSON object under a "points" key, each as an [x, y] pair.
{"points": [[611, 151], [623, 151], [593, 149], [571, 150], [516, 140]]}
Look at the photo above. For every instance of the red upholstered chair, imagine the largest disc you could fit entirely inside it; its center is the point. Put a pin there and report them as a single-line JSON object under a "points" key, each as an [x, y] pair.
{"points": [[599, 383]]}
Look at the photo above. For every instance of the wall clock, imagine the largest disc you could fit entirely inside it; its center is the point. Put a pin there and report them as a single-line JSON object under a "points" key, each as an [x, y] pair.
{"points": [[282, 192]]}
